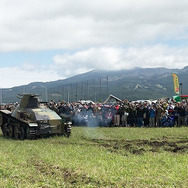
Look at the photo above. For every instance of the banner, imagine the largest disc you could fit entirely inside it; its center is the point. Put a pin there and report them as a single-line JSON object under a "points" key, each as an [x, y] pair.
{"points": [[176, 84]]}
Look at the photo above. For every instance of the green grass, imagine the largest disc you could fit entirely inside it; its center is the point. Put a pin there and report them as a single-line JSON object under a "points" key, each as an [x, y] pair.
{"points": [[98, 157]]}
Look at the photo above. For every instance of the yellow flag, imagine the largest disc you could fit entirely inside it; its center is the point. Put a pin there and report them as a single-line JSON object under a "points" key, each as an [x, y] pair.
{"points": [[176, 84]]}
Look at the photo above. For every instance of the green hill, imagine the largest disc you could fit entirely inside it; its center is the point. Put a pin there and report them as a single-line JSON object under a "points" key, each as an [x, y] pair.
{"points": [[134, 84]]}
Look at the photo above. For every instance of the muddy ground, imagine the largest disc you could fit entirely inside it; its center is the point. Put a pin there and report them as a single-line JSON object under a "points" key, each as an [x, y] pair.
{"points": [[141, 146]]}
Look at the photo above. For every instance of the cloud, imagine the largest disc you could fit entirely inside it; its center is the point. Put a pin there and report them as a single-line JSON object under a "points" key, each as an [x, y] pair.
{"points": [[67, 24], [16, 76], [120, 58], [100, 34], [105, 58]]}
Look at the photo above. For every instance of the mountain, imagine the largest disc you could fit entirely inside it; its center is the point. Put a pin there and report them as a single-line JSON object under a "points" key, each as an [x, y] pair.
{"points": [[134, 84]]}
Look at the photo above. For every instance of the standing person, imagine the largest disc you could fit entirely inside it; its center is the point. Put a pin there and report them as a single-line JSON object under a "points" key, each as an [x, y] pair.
{"points": [[170, 108], [131, 119], [152, 116], [186, 114], [158, 112], [124, 116], [163, 119], [165, 105], [117, 115], [139, 115], [176, 110], [91, 119], [108, 118], [181, 117], [146, 115]]}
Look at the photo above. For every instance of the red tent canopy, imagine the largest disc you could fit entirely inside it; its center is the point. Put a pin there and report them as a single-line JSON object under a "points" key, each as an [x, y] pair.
{"points": [[184, 96]]}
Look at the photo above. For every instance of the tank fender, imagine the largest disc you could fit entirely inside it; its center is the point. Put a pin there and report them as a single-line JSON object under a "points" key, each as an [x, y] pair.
{"points": [[6, 111]]}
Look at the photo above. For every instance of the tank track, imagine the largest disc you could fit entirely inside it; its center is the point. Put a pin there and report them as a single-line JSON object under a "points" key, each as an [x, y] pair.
{"points": [[14, 128]]}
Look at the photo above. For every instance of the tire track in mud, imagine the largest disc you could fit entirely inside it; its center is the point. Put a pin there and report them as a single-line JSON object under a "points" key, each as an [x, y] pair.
{"points": [[142, 146], [137, 146]]}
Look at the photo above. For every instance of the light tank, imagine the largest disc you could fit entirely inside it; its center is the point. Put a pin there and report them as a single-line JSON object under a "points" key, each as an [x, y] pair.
{"points": [[32, 119]]}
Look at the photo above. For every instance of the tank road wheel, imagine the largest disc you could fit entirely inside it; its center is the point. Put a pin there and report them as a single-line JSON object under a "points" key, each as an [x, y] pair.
{"points": [[28, 136], [1, 119], [67, 130], [16, 132], [22, 133], [4, 130], [10, 131]]}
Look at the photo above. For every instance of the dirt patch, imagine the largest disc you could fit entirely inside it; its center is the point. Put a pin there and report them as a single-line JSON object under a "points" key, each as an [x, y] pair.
{"points": [[65, 175], [139, 151], [142, 146], [179, 149]]}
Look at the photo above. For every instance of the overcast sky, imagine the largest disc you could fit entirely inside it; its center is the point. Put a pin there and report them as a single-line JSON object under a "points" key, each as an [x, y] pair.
{"points": [[45, 40]]}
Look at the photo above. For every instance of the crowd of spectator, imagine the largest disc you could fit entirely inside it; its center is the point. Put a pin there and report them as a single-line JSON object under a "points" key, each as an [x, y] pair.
{"points": [[160, 113]]}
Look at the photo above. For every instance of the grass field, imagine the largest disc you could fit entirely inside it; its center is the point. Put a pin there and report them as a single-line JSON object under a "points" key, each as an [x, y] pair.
{"points": [[98, 157]]}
